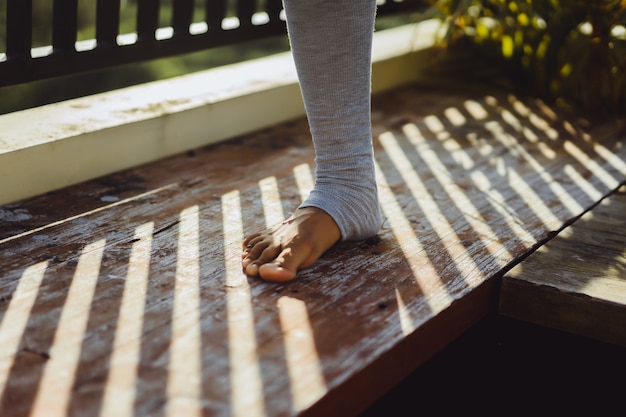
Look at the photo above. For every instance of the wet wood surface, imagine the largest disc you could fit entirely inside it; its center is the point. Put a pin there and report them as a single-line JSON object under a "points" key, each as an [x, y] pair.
{"points": [[124, 296], [577, 281]]}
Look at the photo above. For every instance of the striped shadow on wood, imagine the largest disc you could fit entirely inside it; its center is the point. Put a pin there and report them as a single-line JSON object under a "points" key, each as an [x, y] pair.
{"points": [[124, 296]]}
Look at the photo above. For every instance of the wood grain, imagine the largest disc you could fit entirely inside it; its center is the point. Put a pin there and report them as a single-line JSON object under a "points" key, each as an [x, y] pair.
{"points": [[469, 184], [577, 281]]}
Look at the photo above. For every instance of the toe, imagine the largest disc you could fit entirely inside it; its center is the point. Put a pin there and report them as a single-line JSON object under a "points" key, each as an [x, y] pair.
{"points": [[251, 239], [286, 265], [255, 252], [258, 256], [250, 243], [275, 273], [252, 269]]}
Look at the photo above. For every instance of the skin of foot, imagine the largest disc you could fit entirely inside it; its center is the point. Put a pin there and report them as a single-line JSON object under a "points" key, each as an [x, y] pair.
{"points": [[277, 254]]}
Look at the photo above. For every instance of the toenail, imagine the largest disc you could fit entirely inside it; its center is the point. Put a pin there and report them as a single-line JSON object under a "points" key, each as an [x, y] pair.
{"points": [[249, 245]]}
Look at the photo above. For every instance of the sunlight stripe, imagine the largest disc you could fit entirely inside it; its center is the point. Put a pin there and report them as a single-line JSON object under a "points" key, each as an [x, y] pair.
{"points": [[184, 382], [458, 251], [455, 116], [459, 154], [428, 206], [546, 150], [406, 324], [16, 317], [246, 386], [533, 201], [519, 107], [424, 272], [305, 373], [475, 109], [584, 184], [499, 203], [57, 382], [543, 125], [120, 388], [510, 119], [590, 164], [304, 179], [435, 126], [613, 159], [513, 145], [464, 204], [270, 197], [533, 118], [519, 184]]}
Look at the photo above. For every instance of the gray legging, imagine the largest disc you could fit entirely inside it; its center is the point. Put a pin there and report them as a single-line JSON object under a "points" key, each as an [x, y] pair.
{"points": [[331, 41]]}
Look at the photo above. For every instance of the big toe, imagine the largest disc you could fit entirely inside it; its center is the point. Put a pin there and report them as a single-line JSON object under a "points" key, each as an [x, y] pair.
{"points": [[275, 272]]}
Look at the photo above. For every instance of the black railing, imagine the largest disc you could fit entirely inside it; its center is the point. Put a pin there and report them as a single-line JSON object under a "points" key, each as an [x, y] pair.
{"points": [[225, 22]]}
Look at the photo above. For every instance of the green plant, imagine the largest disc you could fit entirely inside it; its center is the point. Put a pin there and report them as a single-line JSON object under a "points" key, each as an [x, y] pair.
{"points": [[569, 51]]}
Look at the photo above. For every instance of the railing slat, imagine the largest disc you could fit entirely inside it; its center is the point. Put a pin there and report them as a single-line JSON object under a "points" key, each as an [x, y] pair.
{"points": [[215, 13], [19, 29], [64, 25], [107, 21], [245, 10], [147, 20], [181, 17], [273, 9]]}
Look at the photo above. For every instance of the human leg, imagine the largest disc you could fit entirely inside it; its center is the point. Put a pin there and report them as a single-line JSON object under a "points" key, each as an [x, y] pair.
{"points": [[331, 43]]}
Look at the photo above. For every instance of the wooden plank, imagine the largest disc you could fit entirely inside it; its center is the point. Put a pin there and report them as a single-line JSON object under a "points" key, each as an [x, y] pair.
{"points": [[469, 183], [576, 282]]}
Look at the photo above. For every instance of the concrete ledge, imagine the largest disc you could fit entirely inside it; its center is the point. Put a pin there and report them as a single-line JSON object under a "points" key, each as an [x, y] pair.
{"points": [[50, 147]]}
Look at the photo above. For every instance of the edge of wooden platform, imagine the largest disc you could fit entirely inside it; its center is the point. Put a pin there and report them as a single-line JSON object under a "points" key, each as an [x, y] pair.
{"points": [[572, 282], [354, 396]]}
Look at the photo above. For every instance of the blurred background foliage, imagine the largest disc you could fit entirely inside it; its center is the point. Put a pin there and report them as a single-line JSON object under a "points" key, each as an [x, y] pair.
{"points": [[22, 96], [572, 52]]}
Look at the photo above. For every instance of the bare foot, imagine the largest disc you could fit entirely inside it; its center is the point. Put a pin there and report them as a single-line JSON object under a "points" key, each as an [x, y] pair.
{"points": [[278, 254]]}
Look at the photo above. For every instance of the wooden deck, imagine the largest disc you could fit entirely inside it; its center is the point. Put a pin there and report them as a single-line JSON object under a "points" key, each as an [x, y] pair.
{"points": [[577, 281], [124, 296]]}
